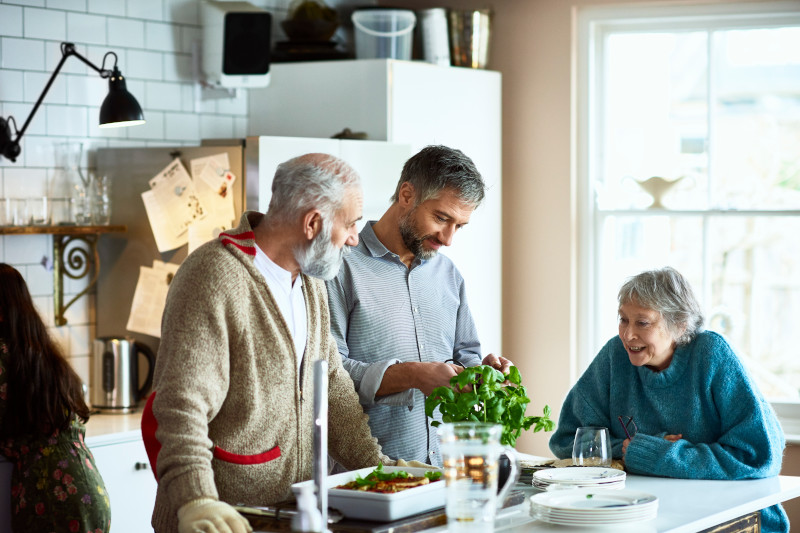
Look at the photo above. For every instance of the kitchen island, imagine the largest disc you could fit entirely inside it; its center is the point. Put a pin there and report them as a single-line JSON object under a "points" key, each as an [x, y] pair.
{"points": [[684, 506]]}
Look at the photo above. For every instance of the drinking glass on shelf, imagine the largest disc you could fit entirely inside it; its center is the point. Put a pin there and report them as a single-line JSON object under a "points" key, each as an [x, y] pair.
{"points": [[592, 447]]}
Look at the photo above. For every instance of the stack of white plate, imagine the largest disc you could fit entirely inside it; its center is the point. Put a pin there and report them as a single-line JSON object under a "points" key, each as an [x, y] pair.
{"points": [[589, 477], [584, 507]]}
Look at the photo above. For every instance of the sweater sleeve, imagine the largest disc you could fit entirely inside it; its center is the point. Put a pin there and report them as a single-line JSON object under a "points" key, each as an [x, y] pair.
{"points": [[587, 404], [750, 442], [190, 382]]}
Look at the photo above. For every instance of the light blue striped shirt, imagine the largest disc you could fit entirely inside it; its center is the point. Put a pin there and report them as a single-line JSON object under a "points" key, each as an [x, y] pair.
{"points": [[383, 313]]}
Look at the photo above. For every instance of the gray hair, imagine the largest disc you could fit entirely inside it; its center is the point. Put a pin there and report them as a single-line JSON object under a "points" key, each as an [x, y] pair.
{"points": [[310, 181], [666, 291], [436, 168]]}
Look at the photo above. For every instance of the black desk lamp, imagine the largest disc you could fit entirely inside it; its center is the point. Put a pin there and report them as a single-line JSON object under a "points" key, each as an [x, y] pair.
{"points": [[119, 108]]}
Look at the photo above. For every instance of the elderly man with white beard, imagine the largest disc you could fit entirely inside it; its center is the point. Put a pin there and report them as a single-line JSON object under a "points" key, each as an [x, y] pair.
{"points": [[246, 317]]}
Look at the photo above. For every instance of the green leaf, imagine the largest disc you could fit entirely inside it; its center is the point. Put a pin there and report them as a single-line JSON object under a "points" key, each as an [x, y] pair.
{"points": [[489, 399]]}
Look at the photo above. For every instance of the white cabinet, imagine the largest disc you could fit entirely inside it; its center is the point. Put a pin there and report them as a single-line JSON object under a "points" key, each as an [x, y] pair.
{"points": [[122, 461], [378, 163], [414, 103]]}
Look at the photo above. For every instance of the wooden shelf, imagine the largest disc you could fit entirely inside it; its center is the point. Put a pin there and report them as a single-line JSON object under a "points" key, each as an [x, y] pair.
{"points": [[61, 230], [69, 259]]}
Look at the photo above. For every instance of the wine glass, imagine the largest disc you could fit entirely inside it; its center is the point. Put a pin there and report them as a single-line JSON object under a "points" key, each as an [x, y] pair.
{"points": [[592, 447]]}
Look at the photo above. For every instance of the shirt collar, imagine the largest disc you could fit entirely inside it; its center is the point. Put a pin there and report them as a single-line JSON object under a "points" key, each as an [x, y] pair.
{"points": [[376, 248], [279, 274]]}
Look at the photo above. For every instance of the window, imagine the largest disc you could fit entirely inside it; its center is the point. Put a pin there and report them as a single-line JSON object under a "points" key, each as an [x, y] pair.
{"points": [[689, 155]]}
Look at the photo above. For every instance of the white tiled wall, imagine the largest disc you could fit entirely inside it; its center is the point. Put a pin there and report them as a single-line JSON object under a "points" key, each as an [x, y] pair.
{"points": [[153, 40]]}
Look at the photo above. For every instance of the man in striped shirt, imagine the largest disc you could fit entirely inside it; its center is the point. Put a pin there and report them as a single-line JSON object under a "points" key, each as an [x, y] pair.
{"points": [[398, 308]]}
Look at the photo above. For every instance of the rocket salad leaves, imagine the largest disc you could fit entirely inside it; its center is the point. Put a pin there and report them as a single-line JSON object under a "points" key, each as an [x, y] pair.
{"points": [[480, 394]]}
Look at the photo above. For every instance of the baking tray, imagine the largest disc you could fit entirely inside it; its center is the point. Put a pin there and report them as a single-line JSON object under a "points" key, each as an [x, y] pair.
{"points": [[382, 507]]}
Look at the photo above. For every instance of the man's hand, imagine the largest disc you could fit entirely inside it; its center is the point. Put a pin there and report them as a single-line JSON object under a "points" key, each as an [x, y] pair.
{"points": [[422, 376], [498, 363], [211, 516]]}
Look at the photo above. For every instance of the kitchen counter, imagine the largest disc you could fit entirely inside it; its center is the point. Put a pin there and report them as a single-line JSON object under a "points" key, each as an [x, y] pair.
{"points": [[104, 429]]}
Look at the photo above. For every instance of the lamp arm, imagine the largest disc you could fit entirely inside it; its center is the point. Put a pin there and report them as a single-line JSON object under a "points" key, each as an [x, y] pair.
{"points": [[67, 49]]}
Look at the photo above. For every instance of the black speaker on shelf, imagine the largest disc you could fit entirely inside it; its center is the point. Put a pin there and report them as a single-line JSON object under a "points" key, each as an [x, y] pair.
{"points": [[236, 44]]}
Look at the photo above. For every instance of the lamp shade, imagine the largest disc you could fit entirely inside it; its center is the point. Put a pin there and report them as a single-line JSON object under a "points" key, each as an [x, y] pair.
{"points": [[119, 108]]}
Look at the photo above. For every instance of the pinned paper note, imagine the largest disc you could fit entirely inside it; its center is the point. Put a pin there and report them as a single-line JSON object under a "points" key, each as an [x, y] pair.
{"points": [[172, 205], [213, 182], [150, 297]]}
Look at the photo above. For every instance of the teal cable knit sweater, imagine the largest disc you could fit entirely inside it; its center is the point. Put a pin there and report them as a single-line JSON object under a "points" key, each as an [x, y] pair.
{"points": [[729, 430]]}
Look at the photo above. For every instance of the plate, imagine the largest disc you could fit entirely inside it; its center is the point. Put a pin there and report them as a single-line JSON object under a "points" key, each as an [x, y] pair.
{"points": [[580, 475], [378, 506], [591, 506]]}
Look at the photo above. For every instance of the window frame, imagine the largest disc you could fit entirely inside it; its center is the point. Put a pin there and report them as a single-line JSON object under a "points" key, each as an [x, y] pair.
{"points": [[592, 25]]}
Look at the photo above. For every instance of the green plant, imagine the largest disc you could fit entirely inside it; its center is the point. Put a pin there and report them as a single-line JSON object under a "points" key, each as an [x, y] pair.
{"points": [[483, 394]]}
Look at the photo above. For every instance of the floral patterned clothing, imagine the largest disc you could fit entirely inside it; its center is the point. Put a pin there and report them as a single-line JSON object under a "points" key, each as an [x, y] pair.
{"points": [[55, 484]]}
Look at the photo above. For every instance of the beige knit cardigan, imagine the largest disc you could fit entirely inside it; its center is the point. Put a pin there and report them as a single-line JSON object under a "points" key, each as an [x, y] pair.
{"points": [[232, 414]]}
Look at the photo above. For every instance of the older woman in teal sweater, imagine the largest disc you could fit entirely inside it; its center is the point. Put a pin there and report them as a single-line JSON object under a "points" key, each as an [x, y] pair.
{"points": [[696, 411]]}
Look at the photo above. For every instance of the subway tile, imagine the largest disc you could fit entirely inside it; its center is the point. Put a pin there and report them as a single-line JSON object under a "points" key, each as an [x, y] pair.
{"points": [[240, 127], [182, 11], [107, 7], [72, 65], [125, 32], [182, 127], [35, 82], [161, 36], [86, 90], [80, 340], [22, 54], [216, 127], [37, 151], [152, 129], [45, 24], [81, 364], [69, 121], [70, 5], [95, 131], [27, 249], [40, 284], [21, 112], [145, 65], [191, 39], [88, 29], [163, 96], [11, 21], [145, 9], [25, 182], [198, 99], [11, 86], [30, 3], [178, 67], [44, 306], [236, 105]]}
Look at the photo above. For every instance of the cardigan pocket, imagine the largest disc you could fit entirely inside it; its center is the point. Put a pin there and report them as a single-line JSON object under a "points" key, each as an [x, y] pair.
{"points": [[257, 459]]}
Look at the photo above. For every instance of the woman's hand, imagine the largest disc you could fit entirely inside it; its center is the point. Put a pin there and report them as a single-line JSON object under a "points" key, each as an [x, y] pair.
{"points": [[671, 438]]}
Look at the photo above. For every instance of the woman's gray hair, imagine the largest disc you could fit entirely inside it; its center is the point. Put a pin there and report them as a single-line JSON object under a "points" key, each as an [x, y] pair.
{"points": [[310, 181], [666, 291], [436, 168]]}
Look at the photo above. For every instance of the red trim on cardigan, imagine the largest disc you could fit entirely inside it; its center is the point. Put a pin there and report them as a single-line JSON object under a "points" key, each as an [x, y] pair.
{"points": [[256, 459], [149, 427], [227, 238]]}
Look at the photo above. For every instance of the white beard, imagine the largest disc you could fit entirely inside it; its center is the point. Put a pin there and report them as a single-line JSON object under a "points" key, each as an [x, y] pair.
{"points": [[320, 258]]}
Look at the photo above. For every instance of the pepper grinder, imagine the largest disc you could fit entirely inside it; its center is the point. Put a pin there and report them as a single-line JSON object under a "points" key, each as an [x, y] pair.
{"points": [[321, 438]]}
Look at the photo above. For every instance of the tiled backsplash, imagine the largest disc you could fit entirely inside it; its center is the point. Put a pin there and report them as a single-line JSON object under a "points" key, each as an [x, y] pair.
{"points": [[153, 40]]}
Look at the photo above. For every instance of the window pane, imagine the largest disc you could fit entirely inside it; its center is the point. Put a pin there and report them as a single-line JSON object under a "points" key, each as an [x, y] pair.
{"points": [[655, 119], [755, 296], [632, 244], [756, 140]]}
